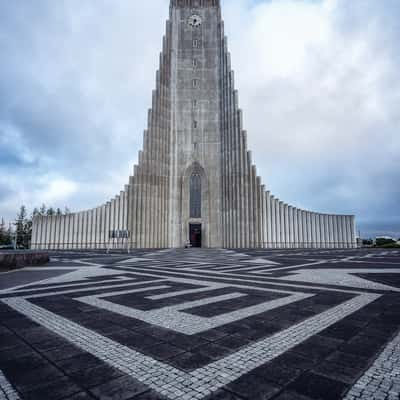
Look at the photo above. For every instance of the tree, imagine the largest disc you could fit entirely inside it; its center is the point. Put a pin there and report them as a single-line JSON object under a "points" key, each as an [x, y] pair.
{"points": [[58, 212], [50, 212], [23, 229], [5, 237], [43, 209], [384, 241]]}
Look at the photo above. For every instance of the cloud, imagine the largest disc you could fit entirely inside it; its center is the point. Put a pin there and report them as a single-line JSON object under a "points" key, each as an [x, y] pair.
{"points": [[318, 82]]}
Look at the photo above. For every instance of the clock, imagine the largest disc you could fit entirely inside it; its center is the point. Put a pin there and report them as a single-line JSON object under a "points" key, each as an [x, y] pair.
{"points": [[194, 21]]}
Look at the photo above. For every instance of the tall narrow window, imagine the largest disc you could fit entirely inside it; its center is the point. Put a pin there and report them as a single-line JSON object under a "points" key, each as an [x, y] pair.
{"points": [[195, 43], [195, 196]]}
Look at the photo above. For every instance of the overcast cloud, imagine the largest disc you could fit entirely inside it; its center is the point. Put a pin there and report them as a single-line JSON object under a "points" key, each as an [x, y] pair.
{"points": [[319, 84]]}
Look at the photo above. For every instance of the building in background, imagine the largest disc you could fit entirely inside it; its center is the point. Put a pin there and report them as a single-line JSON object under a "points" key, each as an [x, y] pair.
{"points": [[195, 181]]}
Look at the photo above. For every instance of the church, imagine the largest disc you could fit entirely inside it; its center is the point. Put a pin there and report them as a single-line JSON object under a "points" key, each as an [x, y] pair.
{"points": [[195, 183]]}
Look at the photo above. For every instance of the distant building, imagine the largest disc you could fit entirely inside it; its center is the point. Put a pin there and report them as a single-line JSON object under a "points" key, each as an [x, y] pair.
{"points": [[195, 180]]}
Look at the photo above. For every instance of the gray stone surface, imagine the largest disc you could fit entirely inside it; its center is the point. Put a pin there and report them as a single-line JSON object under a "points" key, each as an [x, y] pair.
{"points": [[200, 324]]}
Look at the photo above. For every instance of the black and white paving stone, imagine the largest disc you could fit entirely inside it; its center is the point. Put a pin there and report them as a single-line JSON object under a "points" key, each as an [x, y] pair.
{"points": [[203, 324]]}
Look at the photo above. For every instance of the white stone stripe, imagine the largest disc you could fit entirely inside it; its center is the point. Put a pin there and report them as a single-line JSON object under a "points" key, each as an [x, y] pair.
{"points": [[382, 380], [54, 293], [150, 271], [176, 384], [7, 392], [174, 318], [184, 292], [128, 291], [117, 280]]}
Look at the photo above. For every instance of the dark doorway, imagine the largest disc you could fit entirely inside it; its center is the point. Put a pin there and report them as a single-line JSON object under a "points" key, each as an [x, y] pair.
{"points": [[195, 235]]}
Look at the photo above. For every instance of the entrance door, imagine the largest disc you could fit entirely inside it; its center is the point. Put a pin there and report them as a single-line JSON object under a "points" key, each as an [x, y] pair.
{"points": [[195, 235]]}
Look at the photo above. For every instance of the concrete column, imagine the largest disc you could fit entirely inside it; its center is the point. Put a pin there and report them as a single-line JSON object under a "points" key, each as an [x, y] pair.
{"points": [[295, 228], [73, 231], [299, 229], [60, 232], [305, 229], [335, 231], [136, 209], [322, 231], [79, 230], [331, 235], [67, 232], [291, 226], [246, 206], [318, 230], [345, 236], [102, 218], [286, 225], [353, 232], [282, 224], [49, 233], [40, 232], [46, 232], [340, 231], [60, 239], [108, 227], [272, 214], [278, 223], [243, 213], [263, 205], [83, 229], [118, 210], [344, 228], [326, 230], [112, 223], [89, 229], [313, 230], [268, 219], [236, 180], [96, 228]]}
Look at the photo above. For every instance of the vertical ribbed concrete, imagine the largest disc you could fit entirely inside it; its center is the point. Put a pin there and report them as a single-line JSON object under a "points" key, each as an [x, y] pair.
{"points": [[195, 126]]}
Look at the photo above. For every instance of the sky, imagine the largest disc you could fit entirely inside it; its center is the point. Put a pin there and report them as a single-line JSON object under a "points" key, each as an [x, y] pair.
{"points": [[318, 81]]}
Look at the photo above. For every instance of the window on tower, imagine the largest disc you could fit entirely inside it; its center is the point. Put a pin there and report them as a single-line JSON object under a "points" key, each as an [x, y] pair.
{"points": [[195, 196]]}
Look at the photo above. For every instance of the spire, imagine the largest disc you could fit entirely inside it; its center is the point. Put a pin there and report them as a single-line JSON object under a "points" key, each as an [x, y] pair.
{"points": [[195, 3]]}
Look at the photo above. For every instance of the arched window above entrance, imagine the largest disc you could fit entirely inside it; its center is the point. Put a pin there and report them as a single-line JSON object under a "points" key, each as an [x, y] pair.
{"points": [[195, 196]]}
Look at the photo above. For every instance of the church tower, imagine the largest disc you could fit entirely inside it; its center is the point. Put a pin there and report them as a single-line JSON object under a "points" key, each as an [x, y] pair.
{"points": [[195, 181]]}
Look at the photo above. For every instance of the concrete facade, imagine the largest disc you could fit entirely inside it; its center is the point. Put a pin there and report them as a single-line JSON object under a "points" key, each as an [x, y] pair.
{"points": [[194, 128]]}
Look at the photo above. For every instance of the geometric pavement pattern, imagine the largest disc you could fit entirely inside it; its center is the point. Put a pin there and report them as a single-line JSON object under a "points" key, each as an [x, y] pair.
{"points": [[203, 324]]}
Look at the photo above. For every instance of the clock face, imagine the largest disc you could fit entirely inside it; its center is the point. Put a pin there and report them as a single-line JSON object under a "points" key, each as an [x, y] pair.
{"points": [[195, 21]]}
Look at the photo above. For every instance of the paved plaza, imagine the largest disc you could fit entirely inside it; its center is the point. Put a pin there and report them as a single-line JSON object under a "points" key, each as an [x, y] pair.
{"points": [[203, 324]]}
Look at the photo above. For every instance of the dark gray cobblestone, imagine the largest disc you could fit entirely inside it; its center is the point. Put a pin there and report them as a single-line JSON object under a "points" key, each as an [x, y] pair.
{"points": [[195, 324], [382, 380]]}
